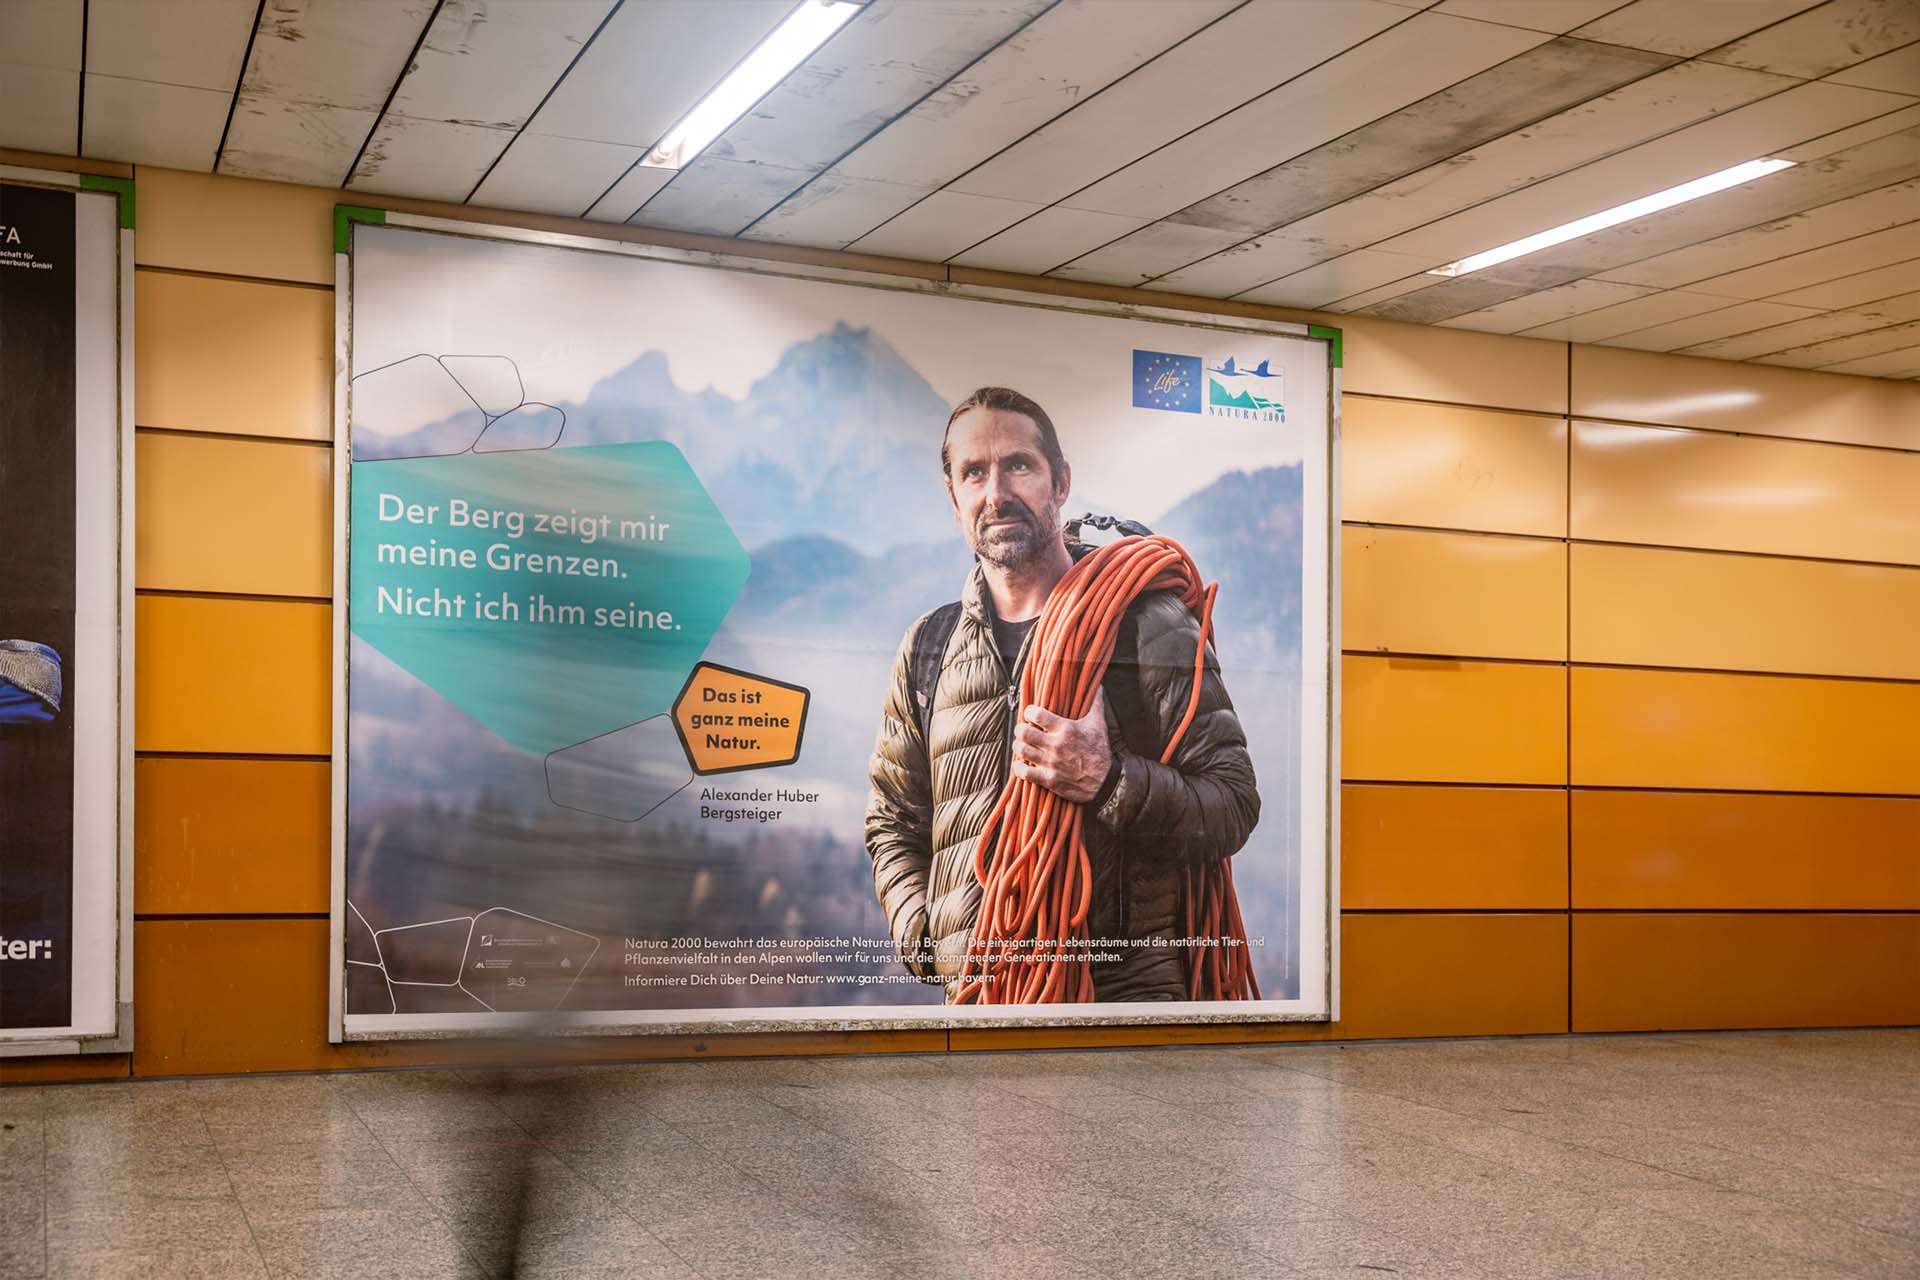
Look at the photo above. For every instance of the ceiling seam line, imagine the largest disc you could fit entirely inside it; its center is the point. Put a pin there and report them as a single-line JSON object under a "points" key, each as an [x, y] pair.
{"points": [[773, 89], [1173, 141], [1047, 123], [1397, 177], [905, 111], [239, 83], [1914, 325], [1374, 244], [551, 90], [406, 69], [80, 108]]}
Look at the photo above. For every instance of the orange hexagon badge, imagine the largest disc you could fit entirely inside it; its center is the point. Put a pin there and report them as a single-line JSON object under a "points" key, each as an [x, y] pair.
{"points": [[731, 720]]}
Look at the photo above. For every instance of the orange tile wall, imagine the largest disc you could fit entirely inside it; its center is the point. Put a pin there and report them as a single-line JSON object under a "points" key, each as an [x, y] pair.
{"points": [[1628, 679]]}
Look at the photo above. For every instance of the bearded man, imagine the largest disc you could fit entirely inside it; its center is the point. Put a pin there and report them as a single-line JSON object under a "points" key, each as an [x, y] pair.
{"points": [[945, 751]]}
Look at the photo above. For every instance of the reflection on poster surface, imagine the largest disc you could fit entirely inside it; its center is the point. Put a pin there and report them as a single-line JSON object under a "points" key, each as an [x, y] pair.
{"points": [[725, 644]]}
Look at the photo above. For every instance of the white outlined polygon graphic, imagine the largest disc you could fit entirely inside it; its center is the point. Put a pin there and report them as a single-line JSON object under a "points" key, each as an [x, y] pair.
{"points": [[507, 961], [468, 404]]}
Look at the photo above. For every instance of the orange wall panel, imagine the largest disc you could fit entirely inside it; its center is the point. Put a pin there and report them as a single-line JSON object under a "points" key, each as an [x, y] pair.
{"points": [[1686, 391], [1452, 975], [200, 222], [240, 516], [1682, 971], [233, 356], [1458, 366], [1459, 594], [1741, 493], [1714, 850], [1707, 731], [215, 837], [1428, 720], [1449, 468], [241, 676], [65, 1068], [1452, 848], [1651, 607], [229, 995]]}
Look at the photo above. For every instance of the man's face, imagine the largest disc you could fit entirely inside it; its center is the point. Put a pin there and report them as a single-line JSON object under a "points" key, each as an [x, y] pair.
{"points": [[1005, 496]]}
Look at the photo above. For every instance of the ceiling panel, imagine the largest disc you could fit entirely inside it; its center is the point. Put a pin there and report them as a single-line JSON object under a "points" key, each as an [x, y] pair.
{"points": [[1561, 303], [199, 45], [1551, 16], [1741, 317], [1144, 254], [1896, 72], [880, 64], [481, 70], [1816, 266], [650, 64], [427, 159], [543, 174], [1688, 27], [634, 189], [40, 107], [1852, 291], [1066, 55], [1667, 100], [318, 76], [163, 124], [1904, 363], [1037, 243], [1628, 317], [1704, 148], [1795, 233], [1837, 34], [1818, 328], [40, 76], [942, 225], [160, 79], [1420, 56], [1874, 342]]}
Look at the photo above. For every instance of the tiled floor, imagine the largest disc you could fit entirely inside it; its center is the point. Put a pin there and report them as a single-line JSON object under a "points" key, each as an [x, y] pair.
{"points": [[1742, 1155]]}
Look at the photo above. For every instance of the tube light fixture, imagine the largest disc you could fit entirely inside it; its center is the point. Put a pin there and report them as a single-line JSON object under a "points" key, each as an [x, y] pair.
{"points": [[786, 47], [1615, 216]]}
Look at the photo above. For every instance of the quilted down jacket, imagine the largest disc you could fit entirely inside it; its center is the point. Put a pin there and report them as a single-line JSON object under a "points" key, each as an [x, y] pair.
{"points": [[931, 797]]}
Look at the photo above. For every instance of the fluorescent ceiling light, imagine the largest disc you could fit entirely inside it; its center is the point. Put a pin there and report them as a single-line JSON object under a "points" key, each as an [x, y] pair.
{"points": [[789, 45], [1615, 216]]}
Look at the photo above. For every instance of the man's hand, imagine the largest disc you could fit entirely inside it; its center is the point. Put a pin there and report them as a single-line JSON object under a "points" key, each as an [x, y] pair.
{"points": [[1068, 757]]}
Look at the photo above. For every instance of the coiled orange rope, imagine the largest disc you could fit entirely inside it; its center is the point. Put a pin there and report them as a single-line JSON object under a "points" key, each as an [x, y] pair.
{"points": [[1030, 942]]}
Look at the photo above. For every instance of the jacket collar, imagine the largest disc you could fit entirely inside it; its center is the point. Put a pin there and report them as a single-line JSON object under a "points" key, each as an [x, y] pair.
{"points": [[975, 601]]}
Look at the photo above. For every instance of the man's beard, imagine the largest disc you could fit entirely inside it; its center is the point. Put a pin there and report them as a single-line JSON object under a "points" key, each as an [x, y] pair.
{"points": [[1010, 546]]}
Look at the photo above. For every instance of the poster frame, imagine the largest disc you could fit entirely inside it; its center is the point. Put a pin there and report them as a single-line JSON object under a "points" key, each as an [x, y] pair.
{"points": [[347, 218], [109, 1028]]}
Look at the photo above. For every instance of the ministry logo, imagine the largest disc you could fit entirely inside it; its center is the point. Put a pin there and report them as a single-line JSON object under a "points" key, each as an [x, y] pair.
{"points": [[1166, 380], [1257, 394]]}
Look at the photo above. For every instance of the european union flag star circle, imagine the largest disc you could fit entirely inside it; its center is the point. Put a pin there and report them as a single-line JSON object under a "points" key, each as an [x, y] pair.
{"points": [[1166, 380]]}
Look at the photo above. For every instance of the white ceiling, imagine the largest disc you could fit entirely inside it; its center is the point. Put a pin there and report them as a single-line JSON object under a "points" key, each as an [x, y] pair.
{"points": [[1319, 154]]}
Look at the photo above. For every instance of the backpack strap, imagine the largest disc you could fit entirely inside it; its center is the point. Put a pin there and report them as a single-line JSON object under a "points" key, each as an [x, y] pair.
{"points": [[929, 655]]}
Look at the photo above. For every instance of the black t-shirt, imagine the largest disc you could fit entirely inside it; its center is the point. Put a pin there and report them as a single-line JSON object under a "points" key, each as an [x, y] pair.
{"points": [[1009, 636]]}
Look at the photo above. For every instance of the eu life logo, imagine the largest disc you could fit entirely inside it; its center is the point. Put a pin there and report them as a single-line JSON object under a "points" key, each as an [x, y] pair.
{"points": [[1163, 380], [1218, 387]]}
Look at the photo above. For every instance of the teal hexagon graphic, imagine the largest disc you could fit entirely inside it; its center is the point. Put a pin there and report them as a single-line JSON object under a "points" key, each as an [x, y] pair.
{"points": [[552, 594]]}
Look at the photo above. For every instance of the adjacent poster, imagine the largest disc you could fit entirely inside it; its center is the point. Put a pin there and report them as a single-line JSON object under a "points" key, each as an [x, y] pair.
{"points": [[60, 602], [733, 648]]}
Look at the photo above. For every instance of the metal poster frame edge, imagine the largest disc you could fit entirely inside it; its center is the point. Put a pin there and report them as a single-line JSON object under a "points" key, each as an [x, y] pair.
{"points": [[340, 1025]]}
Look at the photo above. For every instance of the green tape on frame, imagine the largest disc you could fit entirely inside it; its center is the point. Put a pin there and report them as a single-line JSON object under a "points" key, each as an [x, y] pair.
{"points": [[122, 187], [344, 215], [1336, 342]]}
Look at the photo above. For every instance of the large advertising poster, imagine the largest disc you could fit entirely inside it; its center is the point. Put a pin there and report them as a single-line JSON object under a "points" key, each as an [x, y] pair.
{"points": [[729, 647], [60, 602]]}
